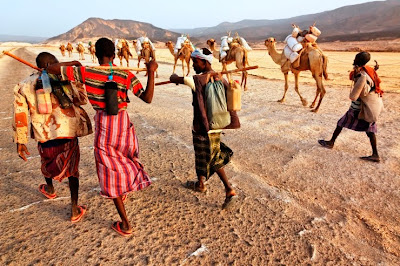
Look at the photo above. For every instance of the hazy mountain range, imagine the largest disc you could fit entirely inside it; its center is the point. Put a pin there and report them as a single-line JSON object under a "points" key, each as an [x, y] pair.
{"points": [[361, 22], [367, 21]]}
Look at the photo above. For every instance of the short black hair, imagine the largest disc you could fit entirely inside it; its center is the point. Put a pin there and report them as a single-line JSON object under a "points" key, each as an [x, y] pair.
{"points": [[361, 58], [104, 47], [44, 59]]}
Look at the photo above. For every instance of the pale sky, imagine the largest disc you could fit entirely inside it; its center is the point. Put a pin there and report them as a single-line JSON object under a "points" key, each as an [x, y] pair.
{"points": [[48, 18]]}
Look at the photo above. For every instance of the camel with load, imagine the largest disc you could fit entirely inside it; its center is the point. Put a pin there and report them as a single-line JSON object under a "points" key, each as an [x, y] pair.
{"points": [[312, 59]]}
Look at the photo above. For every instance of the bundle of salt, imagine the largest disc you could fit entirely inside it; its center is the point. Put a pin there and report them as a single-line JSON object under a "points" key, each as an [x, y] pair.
{"points": [[245, 44], [313, 35], [292, 47], [179, 42], [225, 40]]}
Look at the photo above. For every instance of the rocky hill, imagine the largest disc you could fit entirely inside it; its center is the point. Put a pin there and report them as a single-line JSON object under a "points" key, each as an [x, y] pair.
{"points": [[116, 28], [367, 21]]}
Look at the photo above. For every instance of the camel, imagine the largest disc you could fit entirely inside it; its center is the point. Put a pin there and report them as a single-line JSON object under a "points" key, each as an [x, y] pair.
{"points": [[123, 51], [310, 59], [81, 51], [236, 53], [183, 54], [69, 49], [62, 49], [92, 51], [146, 53]]}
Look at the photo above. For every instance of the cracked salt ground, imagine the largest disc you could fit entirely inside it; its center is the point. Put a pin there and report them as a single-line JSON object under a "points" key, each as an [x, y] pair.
{"points": [[298, 204]]}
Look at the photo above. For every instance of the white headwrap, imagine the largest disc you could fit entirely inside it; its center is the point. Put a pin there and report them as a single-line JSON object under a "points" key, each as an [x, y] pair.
{"points": [[198, 53]]}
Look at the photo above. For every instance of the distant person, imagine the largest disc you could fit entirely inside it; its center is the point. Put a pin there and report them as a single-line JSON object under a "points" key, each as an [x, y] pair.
{"points": [[116, 146], [211, 155], [55, 130], [366, 105]]}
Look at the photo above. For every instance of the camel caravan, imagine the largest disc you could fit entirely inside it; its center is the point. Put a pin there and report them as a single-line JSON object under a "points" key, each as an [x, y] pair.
{"points": [[301, 53]]}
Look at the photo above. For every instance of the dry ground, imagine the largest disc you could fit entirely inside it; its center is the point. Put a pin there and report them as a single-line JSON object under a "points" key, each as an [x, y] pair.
{"points": [[299, 203]]}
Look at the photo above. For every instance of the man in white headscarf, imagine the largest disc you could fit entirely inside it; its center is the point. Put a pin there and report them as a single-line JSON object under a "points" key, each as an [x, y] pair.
{"points": [[211, 155]]}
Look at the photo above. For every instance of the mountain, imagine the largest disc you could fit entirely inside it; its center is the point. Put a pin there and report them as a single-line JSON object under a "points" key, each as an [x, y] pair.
{"points": [[116, 28], [20, 38], [379, 19]]}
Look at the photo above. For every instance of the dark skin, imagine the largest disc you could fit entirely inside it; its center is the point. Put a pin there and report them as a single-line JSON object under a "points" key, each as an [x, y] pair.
{"points": [[146, 96], [203, 67], [73, 181]]}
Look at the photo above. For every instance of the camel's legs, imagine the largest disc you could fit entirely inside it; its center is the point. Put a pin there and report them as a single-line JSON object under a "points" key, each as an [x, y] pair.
{"points": [[296, 88], [321, 91], [188, 66], [138, 63], [176, 60], [244, 80], [286, 87], [183, 68]]}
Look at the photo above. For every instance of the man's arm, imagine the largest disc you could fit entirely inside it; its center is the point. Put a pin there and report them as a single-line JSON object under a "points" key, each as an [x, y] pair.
{"points": [[56, 68], [147, 95], [189, 81], [358, 87]]}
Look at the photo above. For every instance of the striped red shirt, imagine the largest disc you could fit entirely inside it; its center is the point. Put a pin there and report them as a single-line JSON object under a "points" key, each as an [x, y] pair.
{"points": [[95, 79]]}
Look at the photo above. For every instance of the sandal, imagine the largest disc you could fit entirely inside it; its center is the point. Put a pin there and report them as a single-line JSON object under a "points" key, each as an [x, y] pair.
{"points": [[229, 202], [194, 185], [117, 228], [371, 159], [76, 219], [325, 144], [42, 189]]}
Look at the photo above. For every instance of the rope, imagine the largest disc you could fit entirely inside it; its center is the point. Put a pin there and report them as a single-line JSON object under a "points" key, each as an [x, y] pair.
{"points": [[259, 58]]}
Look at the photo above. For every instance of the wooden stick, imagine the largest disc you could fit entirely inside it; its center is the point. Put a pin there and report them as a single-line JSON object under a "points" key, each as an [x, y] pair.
{"points": [[99, 67], [120, 68], [215, 74], [21, 60]]}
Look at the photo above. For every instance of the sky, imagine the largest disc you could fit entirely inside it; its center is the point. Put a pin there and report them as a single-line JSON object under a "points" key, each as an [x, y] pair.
{"points": [[48, 18]]}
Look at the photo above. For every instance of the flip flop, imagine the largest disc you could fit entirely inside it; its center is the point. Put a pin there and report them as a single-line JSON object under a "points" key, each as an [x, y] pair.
{"points": [[371, 159], [229, 202], [117, 228], [79, 217], [325, 144], [42, 189], [193, 186]]}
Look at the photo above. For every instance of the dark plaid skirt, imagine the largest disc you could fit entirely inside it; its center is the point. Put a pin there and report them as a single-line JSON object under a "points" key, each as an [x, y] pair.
{"points": [[350, 120], [60, 159], [210, 153]]}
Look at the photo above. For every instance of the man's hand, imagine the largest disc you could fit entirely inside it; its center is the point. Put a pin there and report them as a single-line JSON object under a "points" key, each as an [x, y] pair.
{"points": [[152, 66], [174, 78], [22, 150]]}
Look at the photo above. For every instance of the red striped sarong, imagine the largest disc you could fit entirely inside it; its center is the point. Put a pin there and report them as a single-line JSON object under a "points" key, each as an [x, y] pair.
{"points": [[116, 152], [60, 161]]}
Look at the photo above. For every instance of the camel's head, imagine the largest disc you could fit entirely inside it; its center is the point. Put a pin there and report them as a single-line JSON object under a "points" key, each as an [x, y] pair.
{"points": [[270, 42], [168, 44], [134, 42], [210, 42]]}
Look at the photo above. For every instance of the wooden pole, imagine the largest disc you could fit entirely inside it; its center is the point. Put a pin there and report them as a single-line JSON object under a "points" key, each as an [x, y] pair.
{"points": [[215, 74], [99, 67], [120, 68], [21, 60]]}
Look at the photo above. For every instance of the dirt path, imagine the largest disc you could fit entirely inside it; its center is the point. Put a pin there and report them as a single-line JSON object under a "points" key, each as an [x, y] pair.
{"points": [[299, 203]]}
